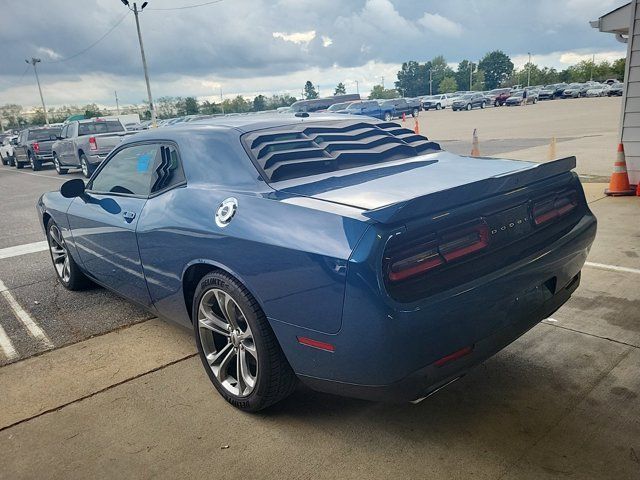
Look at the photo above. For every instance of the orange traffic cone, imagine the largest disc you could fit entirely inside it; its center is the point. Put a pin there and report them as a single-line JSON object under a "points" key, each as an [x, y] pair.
{"points": [[475, 150], [404, 117], [416, 128], [638, 190], [619, 184]]}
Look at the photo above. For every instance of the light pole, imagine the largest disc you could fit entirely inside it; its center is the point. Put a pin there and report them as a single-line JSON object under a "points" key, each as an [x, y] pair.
{"points": [[529, 70], [358, 87], [593, 62], [430, 83], [33, 62], [144, 59], [117, 104], [470, 76]]}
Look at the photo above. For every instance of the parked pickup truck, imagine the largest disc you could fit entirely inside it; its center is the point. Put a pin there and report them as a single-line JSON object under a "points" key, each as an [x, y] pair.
{"points": [[6, 149], [85, 143], [34, 147], [400, 106], [369, 108]]}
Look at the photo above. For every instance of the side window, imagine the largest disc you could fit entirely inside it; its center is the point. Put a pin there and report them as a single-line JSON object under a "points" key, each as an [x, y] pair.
{"points": [[130, 171], [63, 133], [167, 170]]}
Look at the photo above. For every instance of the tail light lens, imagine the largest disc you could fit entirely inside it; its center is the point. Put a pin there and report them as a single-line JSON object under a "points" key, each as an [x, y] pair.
{"points": [[447, 247], [549, 209], [36, 147], [93, 145]]}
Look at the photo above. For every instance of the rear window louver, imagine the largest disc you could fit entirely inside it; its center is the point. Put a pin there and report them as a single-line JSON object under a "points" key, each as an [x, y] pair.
{"points": [[312, 148]]}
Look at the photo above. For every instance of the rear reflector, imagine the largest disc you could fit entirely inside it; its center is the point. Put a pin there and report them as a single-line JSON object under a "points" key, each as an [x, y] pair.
{"points": [[453, 356], [310, 342]]}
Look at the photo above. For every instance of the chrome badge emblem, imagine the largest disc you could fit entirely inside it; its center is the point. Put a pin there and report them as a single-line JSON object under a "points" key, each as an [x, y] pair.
{"points": [[225, 212]]}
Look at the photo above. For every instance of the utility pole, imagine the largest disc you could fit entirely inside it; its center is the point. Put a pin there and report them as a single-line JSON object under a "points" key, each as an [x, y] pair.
{"points": [[593, 62], [144, 58], [33, 62], [470, 76], [529, 71], [117, 104], [382, 78], [221, 101]]}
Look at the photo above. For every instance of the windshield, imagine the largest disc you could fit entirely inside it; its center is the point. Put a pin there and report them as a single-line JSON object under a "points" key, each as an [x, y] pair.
{"points": [[468, 96], [338, 106], [109, 126], [355, 106], [44, 133]]}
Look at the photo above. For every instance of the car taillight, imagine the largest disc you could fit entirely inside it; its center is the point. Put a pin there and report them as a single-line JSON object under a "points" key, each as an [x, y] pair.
{"points": [[36, 147], [549, 209], [93, 145], [446, 247]]}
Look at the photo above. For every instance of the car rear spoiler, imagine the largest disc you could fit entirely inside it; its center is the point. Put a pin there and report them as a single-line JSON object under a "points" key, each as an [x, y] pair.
{"points": [[444, 199]]}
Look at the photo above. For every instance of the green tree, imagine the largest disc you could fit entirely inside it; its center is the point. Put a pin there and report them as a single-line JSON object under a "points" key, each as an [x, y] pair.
{"points": [[378, 92], [191, 106], [166, 106], [91, 110], [310, 91], [617, 69], [340, 89], [11, 112], [411, 79], [478, 81], [277, 101], [462, 75], [259, 103], [38, 117], [497, 67], [448, 85], [209, 108], [435, 70]]}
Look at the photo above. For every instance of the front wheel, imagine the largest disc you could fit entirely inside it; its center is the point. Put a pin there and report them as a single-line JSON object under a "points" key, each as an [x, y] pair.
{"points": [[438, 106], [482, 105], [387, 117], [469, 107], [87, 168], [238, 349], [67, 271], [5, 160], [414, 112]]}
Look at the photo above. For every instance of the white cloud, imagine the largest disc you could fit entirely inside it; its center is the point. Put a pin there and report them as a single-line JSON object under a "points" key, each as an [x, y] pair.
{"points": [[300, 38], [48, 53], [563, 59], [436, 23], [326, 41]]}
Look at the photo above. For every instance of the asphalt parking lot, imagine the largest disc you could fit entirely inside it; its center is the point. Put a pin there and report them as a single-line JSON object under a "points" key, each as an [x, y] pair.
{"points": [[95, 387]]}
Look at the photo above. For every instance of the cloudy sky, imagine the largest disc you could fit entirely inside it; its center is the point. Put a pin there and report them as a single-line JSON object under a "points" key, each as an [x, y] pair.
{"points": [[259, 46]]}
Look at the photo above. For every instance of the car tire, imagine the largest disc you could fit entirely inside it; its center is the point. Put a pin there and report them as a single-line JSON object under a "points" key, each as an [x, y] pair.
{"points": [[239, 342], [36, 165], [18, 164], [414, 112], [87, 168], [56, 164], [5, 160], [12, 160], [438, 106], [482, 105], [469, 107], [387, 117], [67, 270]]}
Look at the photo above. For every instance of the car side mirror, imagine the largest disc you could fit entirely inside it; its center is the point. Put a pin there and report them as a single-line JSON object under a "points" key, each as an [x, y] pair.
{"points": [[14, 142], [72, 188]]}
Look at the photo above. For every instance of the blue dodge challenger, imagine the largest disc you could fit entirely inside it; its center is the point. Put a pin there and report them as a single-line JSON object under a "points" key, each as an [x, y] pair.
{"points": [[347, 252]]}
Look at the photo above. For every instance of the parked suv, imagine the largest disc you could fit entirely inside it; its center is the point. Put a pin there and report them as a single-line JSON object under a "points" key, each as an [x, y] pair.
{"points": [[400, 106], [34, 147], [469, 101], [85, 143]]}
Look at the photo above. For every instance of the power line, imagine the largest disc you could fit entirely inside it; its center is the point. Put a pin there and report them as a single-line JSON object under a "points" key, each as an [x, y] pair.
{"points": [[13, 84], [187, 6], [120, 20]]}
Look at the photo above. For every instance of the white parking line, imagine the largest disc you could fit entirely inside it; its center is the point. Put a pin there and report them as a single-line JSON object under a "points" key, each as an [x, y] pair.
{"points": [[612, 268], [6, 346], [35, 331], [57, 177], [9, 252]]}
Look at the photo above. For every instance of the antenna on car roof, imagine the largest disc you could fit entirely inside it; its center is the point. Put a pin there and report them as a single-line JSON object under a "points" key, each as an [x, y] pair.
{"points": [[301, 114]]}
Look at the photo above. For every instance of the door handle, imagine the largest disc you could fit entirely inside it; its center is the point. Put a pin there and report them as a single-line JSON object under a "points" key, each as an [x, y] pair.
{"points": [[129, 216]]}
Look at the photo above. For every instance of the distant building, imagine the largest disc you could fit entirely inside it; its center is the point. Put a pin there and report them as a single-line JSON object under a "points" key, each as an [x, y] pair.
{"points": [[620, 22]]}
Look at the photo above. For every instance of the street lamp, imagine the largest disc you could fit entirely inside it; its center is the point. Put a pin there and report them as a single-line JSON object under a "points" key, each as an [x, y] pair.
{"points": [[529, 70], [357, 87], [33, 62], [144, 59]]}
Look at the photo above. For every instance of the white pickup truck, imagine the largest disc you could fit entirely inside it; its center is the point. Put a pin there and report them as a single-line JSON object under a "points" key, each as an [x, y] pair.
{"points": [[437, 102], [6, 150], [86, 143]]}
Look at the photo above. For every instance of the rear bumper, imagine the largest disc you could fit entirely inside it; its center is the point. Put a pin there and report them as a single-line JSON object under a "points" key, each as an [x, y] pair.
{"points": [[389, 352], [97, 158]]}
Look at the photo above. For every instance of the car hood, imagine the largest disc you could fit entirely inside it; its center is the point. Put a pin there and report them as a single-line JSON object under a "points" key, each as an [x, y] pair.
{"points": [[372, 187]]}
